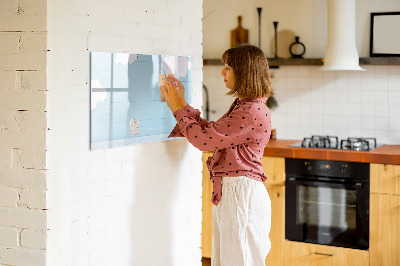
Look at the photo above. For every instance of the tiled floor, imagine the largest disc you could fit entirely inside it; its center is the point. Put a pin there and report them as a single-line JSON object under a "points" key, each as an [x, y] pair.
{"points": [[206, 261]]}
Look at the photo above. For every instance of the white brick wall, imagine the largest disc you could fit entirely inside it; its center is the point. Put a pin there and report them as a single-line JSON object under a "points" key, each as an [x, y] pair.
{"points": [[135, 205], [101, 204], [33, 239], [9, 237], [8, 197], [23, 126]]}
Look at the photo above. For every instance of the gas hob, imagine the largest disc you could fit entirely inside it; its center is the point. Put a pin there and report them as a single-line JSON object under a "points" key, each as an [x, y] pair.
{"points": [[332, 142]]}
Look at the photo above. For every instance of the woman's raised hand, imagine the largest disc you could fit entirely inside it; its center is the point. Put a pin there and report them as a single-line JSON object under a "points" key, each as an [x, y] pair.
{"points": [[181, 93], [181, 90], [174, 94]]}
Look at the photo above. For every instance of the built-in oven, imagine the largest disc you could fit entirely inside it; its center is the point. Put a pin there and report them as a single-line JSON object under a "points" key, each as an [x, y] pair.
{"points": [[327, 202]]}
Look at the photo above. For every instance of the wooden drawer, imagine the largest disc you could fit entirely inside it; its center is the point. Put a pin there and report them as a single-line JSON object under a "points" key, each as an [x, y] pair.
{"points": [[304, 254]]}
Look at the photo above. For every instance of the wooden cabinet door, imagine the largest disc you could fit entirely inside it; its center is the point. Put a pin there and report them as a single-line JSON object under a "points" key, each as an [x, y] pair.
{"points": [[304, 254], [384, 237], [206, 226], [385, 178], [274, 168], [277, 233]]}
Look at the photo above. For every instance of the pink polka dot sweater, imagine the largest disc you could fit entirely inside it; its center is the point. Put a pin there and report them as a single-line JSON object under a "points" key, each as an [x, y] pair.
{"points": [[238, 139]]}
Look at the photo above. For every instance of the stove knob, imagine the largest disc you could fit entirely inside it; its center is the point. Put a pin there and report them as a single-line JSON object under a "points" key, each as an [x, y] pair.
{"points": [[308, 166], [343, 168]]}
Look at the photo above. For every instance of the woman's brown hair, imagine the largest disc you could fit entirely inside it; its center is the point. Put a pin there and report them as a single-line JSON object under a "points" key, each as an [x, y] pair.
{"points": [[250, 66]]}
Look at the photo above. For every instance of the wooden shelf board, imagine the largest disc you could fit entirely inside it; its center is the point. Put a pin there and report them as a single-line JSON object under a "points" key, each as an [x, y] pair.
{"points": [[273, 62], [380, 61]]}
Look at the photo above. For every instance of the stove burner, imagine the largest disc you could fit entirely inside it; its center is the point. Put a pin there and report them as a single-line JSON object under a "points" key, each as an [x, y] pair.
{"points": [[358, 144], [328, 142], [332, 142]]}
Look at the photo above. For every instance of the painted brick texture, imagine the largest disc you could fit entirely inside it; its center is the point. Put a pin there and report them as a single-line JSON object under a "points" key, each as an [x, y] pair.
{"points": [[23, 126]]}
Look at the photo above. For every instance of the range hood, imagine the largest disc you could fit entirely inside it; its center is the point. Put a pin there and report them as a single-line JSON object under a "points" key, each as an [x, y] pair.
{"points": [[341, 51]]}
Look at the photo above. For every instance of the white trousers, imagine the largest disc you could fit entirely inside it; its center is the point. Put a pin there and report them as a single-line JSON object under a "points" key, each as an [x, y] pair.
{"points": [[241, 223]]}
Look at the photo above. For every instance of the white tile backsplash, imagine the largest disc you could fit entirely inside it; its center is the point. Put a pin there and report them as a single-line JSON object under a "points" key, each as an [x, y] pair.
{"points": [[367, 109], [394, 110], [367, 123], [394, 137], [304, 82], [342, 96], [382, 136], [342, 123], [329, 109], [367, 96], [291, 71], [380, 84], [343, 103], [381, 110], [394, 123], [394, 97], [381, 122], [342, 109], [355, 96], [380, 71], [292, 82], [381, 97], [304, 72]]}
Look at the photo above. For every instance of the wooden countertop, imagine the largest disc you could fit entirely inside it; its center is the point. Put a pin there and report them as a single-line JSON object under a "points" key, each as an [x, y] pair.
{"points": [[389, 154]]}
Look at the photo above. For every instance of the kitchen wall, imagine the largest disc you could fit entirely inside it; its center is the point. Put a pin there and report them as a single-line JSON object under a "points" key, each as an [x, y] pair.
{"points": [[342, 103], [136, 205]]}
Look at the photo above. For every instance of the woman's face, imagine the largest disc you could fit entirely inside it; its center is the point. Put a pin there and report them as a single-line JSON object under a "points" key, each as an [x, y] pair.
{"points": [[229, 76]]}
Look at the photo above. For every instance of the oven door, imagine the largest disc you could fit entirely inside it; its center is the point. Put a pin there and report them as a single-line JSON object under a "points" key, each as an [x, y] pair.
{"points": [[327, 213]]}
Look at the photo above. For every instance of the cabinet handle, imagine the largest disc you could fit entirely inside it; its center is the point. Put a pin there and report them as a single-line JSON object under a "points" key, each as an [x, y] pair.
{"points": [[324, 254]]}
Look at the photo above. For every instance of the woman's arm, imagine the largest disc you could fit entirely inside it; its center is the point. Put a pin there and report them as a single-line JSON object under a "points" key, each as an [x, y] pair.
{"points": [[239, 127], [194, 113], [180, 98]]}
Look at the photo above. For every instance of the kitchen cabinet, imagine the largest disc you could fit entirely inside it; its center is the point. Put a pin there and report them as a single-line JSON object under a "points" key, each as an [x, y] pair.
{"points": [[274, 168], [385, 178], [277, 233], [206, 225], [385, 215], [385, 230], [384, 221], [305, 254]]}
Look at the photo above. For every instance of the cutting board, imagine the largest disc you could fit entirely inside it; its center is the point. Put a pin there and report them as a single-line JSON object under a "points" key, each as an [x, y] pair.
{"points": [[239, 35]]}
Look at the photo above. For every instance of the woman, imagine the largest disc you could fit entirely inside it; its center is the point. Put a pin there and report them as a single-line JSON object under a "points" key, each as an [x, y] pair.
{"points": [[242, 208]]}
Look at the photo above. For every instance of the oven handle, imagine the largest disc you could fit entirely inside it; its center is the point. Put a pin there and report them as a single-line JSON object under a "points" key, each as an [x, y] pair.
{"points": [[357, 185], [324, 254]]}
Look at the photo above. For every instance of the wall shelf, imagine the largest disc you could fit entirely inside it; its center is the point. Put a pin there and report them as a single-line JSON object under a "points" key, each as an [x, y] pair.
{"points": [[380, 61], [274, 63]]}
